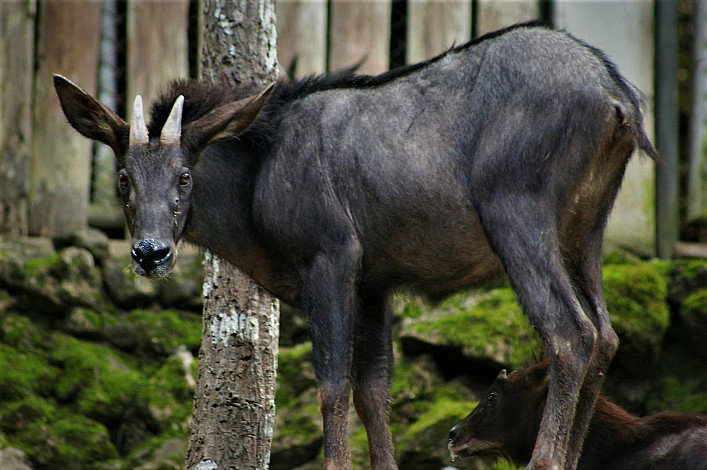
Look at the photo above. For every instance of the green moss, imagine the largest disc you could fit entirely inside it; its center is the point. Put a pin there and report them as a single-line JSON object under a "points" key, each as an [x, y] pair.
{"points": [[636, 296], [489, 326], [689, 270], [427, 437], [95, 378], [673, 393], [18, 415], [168, 398], [38, 267], [695, 306], [163, 331], [69, 442], [23, 334], [620, 257], [295, 372], [23, 374]]}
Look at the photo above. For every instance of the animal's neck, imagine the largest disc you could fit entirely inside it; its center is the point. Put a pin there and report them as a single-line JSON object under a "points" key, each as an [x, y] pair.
{"points": [[219, 219]]}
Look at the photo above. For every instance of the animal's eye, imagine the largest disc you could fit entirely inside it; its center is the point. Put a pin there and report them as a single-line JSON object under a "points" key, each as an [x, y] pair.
{"points": [[184, 178], [123, 181], [492, 399]]}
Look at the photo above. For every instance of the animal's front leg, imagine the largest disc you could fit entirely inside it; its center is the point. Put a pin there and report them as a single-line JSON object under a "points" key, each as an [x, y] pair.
{"points": [[329, 300], [372, 373]]}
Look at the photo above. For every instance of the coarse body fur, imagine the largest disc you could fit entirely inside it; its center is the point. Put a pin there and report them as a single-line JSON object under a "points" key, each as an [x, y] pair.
{"points": [[502, 155]]}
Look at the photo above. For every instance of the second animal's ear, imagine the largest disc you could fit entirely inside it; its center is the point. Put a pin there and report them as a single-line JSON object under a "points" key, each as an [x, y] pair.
{"points": [[224, 122], [90, 117]]}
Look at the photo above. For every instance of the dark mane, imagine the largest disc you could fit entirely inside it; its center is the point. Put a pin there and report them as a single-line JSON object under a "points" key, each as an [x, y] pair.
{"points": [[202, 97]]}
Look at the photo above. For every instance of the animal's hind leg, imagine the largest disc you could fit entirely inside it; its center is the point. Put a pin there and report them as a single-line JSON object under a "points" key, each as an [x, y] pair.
{"points": [[372, 372], [523, 233], [585, 266], [591, 294]]}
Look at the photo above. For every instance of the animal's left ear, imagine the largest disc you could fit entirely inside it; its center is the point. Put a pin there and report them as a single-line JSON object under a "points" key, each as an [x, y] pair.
{"points": [[224, 122]]}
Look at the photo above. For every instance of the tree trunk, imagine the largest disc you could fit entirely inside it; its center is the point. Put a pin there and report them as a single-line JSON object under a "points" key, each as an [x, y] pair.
{"points": [[234, 404]]}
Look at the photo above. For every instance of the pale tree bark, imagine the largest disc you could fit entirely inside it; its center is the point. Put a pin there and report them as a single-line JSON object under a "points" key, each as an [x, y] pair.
{"points": [[234, 404]]}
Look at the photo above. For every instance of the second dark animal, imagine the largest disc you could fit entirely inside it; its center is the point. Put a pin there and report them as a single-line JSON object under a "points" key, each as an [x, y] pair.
{"points": [[506, 421]]}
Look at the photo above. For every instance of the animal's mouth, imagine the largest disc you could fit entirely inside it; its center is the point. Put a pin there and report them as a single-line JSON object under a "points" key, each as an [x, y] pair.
{"points": [[474, 447]]}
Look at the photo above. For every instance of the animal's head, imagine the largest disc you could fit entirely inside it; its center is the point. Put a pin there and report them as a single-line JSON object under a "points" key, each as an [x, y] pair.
{"points": [[155, 171], [505, 422]]}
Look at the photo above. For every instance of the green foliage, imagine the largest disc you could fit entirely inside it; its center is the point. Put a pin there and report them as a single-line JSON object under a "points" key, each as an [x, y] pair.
{"points": [[490, 326]]}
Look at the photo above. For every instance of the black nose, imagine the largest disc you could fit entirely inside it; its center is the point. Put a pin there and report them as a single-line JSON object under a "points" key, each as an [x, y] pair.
{"points": [[150, 253]]}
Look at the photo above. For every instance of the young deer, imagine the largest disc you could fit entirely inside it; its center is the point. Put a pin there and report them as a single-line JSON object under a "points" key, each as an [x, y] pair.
{"points": [[505, 424]]}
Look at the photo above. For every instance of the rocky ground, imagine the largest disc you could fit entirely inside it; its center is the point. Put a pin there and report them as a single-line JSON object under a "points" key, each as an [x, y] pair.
{"points": [[97, 366]]}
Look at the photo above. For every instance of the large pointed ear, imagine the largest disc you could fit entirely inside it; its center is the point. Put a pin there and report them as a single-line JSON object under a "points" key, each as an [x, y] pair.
{"points": [[224, 122], [90, 117]]}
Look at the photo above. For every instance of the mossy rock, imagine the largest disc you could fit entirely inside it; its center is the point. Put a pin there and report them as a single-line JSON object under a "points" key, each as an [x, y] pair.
{"points": [[636, 296], [168, 395], [15, 252], [183, 287], [69, 442], [676, 394], [298, 423], [96, 380], [423, 445], [95, 241], [23, 374], [159, 453], [83, 322], [53, 438], [127, 289], [67, 278], [23, 334], [686, 277], [488, 328], [693, 321], [159, 332]]}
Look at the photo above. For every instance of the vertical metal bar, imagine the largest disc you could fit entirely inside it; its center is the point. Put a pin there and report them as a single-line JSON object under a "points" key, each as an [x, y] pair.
{"points": [[697, 166], [103, 190], [666, 109]]}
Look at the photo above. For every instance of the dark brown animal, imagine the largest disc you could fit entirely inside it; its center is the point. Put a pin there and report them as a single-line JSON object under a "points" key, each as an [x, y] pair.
{"points": [[505, 424], [504, 154]]}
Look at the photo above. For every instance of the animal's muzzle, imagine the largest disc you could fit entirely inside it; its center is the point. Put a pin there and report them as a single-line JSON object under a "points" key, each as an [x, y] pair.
{"points": [[150, 254]]}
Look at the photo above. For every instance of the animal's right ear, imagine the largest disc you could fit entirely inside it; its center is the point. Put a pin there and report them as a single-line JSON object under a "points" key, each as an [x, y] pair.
{"points": [[224, 122], [90, 117]]}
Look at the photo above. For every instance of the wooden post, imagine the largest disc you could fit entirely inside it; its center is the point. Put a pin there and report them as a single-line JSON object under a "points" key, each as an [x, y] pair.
{"points": [[359, 31], [697, 167], [624, 31], [16, 62], [434, 26], [497, 14], [234, 403], [67, 43], [157, 46], [301, 34]]}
